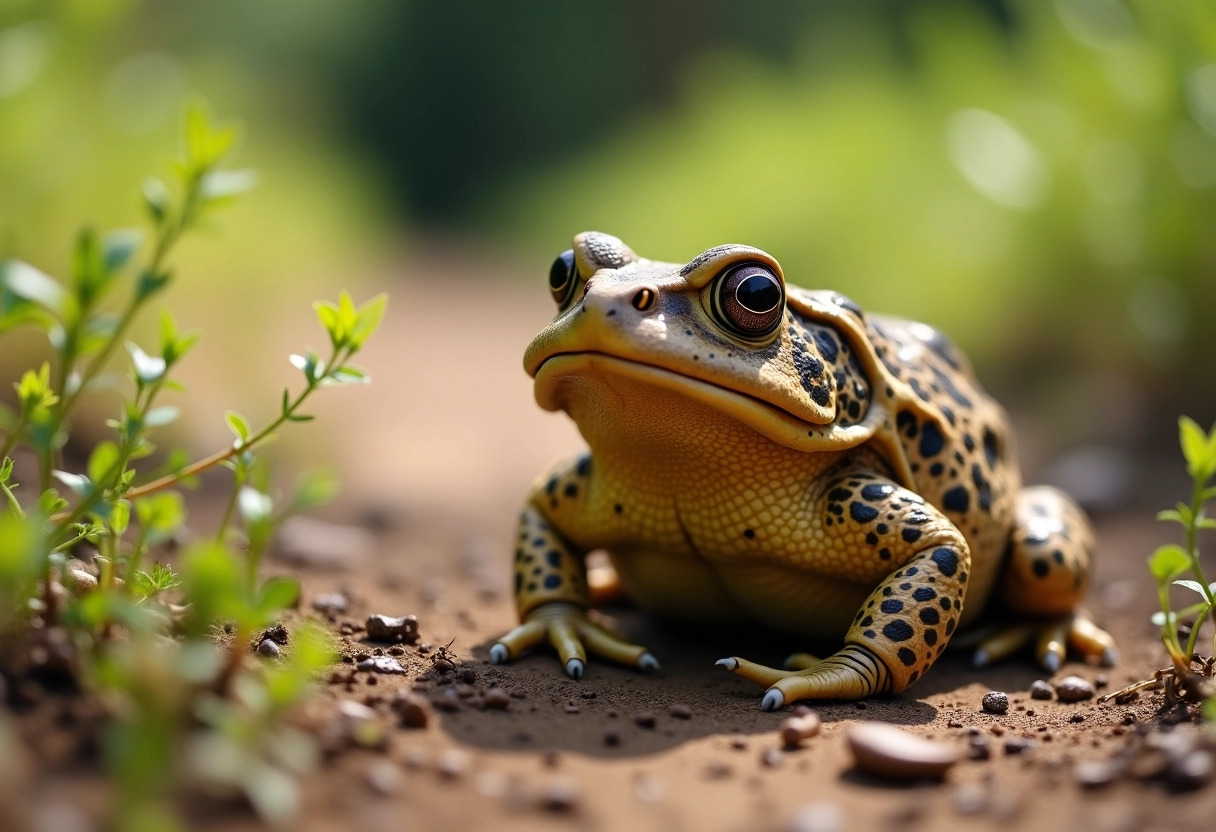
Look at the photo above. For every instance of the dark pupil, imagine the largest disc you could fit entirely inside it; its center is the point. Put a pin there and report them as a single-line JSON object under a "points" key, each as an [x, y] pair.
{"points": [[560, 271], [758, 293]]}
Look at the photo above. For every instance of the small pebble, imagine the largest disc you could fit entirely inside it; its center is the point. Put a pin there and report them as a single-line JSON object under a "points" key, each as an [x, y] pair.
{"points": [[384, 777], [645, 719], [467, 675], [1093, 774], [612, 739], [415, 712], [330, 603], [738, 742], [1039, 689], [443, 666], [882, 749], [385, 628], [573, 709], [1017, 745], [795, 729], [268, 649], [448, 701], [680, 711], [718, 770], [559, 794], [453, 763], [380, 664], [995, 702], [979, 749], [496, 699], [819, 816], [771, 757], [1074, 689], [1191, 771]]}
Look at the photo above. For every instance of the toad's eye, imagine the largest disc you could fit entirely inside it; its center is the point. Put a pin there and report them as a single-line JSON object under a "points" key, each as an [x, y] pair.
{"points": [[563, 275], [749, 300]]}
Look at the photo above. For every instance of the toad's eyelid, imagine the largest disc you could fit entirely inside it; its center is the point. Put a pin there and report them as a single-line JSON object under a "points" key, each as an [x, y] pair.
{"points": [[706, 266]]}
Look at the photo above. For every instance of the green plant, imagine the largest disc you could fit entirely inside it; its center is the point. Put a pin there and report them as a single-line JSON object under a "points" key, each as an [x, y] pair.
{"points": [[166, 649], [1190, 674]]}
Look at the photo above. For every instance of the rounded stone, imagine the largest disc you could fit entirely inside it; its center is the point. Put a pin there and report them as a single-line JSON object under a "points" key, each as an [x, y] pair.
{"points": [[995, 702], [1074, 689], [884, 750]]}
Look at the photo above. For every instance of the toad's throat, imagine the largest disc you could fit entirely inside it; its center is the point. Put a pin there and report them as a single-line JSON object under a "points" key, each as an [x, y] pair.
{"points": [[559, 372]]}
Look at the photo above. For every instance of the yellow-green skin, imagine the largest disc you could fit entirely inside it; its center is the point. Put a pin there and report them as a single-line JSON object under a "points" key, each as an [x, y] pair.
{"points": [[847, 477]]}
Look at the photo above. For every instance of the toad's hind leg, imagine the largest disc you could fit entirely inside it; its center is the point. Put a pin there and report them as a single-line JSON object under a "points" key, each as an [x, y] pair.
{"points": [[1044, 580]]}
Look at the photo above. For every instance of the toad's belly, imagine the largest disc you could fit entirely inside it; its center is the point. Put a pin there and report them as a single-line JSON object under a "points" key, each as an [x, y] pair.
{"points": [[688, 588]]}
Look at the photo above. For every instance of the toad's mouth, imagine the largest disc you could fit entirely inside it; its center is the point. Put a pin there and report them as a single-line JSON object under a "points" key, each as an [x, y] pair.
{"points": [[561, 373]]}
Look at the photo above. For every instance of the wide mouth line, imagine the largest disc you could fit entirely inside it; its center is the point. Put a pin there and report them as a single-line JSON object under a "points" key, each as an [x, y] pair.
{"points": [[682, 377]]}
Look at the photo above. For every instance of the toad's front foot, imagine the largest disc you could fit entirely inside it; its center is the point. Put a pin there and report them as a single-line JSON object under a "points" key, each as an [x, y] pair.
{"points": [[571, 633], [852, 673]]}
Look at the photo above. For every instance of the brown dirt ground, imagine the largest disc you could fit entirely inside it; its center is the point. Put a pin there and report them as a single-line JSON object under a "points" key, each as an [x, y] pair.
{"points": [[438, 477]]}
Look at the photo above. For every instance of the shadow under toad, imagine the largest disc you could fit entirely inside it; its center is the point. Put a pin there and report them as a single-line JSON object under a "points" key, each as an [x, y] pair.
{"points": [[615, 711]]}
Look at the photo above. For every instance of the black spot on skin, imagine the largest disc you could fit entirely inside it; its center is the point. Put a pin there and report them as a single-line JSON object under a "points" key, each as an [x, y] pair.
{"points": [[935, 470], [892, 605], [906, 656], [555, 558], [886, 590], [532, 586], [854, 410], [915, 675], [920, 392], [910, 571], [947, 384], [882, 528], [872, 539], [869, 634], [917, 518], [538, 542], [1058, 557], [898, 630], [905, 586], [749, 533], [867, 621], [551, 486], [946, 560], [538, 570], [906, 422], [929, 615], [885, 554], [836, 509], [821, 396], [618, 508], [827, 345], [950, 626], [931, 439], [924, 593], [861, 512], [982, 486], [809, 367], [571, 490], [553, 581], [930, 637], [1040, 568], [529, 558], [957, 499], [992, 450], [583, 465], [949, 414], [839, 494], [910, 535], [876, 491]]}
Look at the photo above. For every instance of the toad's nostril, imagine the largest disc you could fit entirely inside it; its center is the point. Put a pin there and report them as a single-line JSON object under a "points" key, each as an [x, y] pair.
{"points": [[643, 299]]}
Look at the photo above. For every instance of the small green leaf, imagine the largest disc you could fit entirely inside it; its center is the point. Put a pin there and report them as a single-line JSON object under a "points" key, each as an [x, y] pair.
{"points": [[151, 282], [331, 319], [206, 143], [314, 489], [278, 594], [1194, 586], [89, 273], [156, 199], [103, 462], [1200, 453], [349, 374], [309, 364], [6, 469], [1168, 562], [25, 281], [160, 416], [160, 514], [239, 426], [120, 516], [222, 185], [300, 417], [78, 483], [367, 320], [118, 247]]}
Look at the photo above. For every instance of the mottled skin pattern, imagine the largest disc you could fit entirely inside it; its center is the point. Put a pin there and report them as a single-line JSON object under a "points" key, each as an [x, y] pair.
{"points": [[839, 474]]}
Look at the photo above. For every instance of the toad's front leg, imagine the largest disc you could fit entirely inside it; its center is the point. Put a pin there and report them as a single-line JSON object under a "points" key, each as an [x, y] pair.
{"points": [[904, 625], [551, 582]]}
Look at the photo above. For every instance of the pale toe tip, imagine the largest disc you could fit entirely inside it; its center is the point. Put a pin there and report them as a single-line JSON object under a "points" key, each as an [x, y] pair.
{"points": [[729, 664], [647, 661], [980, 659], [574, 668], [772, 700], [1051, 662], [1110, 657], [498, 654]]}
